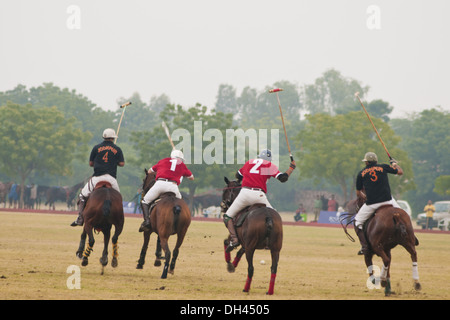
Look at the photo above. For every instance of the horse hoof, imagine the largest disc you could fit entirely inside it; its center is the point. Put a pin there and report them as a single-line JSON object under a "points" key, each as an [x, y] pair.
{"points": [[417, 286], [157, 263], [84, 262], [140, 266], [114, 263], [104, 261], [79, 254], [230, 267]]}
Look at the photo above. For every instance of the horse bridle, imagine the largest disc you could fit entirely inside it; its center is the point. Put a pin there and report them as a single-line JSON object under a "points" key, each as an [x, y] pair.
{"points": [[226, 203]]}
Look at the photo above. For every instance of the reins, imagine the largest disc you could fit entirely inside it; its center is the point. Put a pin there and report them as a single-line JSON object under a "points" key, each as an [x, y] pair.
{"points": [[350, 218]]}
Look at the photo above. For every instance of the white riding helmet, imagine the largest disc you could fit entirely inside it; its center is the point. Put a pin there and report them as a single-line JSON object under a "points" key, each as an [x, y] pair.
{"points": [[177, 154], [109, 133], [266, 154]]}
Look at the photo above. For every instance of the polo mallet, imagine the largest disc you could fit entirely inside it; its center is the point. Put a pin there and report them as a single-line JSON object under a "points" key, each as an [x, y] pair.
{"points": [[376, 131], [124, 106], [168, 134], [282, 119]]}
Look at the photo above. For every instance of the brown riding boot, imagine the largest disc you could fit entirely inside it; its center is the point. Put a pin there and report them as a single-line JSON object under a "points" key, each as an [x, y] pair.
{"points": [[234, 239], [362, 240], [81, 204], [145, 226]]}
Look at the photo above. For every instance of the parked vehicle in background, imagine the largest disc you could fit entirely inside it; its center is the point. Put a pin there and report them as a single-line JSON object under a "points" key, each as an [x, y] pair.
{"points": [[442, 212], [405, 206]]}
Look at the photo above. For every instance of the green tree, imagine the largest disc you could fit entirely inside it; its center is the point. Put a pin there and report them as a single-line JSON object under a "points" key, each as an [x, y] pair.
{"points": [[428, 145], [442, 185], [226, 100], [332, 93], [332, 148], [154, 145], [37, 140], [265, 107]]}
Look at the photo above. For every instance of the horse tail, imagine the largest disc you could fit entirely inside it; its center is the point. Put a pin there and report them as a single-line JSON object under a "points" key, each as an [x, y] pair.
{"points": [[107, 205], [176, 214], [400, 225], [269, 228]]}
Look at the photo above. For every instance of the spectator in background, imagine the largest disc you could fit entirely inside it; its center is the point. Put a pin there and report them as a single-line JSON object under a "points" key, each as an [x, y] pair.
{"points": [[33, 195], [317, 208], [324, 203], [13, 196], [429, 210], [298, 213], [332, 204]]}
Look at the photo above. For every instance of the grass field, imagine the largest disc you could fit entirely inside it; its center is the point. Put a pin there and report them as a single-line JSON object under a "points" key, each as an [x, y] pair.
{"points": [[36, 251]]}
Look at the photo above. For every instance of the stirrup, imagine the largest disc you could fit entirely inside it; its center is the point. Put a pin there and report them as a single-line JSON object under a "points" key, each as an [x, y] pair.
{"points": [[231, 246], [145, 227]]}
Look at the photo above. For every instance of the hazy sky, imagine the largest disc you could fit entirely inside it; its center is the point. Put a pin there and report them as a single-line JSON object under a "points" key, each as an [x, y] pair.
{"points": [[110, 49]]}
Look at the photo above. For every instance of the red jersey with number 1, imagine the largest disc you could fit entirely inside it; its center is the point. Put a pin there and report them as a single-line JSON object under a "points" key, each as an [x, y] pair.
{"points": [[256, 172], [171, 169]]}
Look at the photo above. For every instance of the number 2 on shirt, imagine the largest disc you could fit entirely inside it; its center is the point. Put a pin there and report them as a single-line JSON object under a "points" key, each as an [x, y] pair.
{"points": [[255, 168]]}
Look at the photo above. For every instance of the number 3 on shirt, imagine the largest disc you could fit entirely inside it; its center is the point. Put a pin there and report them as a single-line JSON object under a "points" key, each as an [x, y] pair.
{"points": [[258, 163]]}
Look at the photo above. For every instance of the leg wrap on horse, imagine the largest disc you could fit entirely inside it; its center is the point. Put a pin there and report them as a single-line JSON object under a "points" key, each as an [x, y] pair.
{"points": [[87, 251], [415, 271], [115, 250]]}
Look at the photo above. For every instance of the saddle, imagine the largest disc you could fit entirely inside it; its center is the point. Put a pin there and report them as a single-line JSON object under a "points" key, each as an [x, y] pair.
{"points": [[102, 184], [240, 217], [161, 196]]}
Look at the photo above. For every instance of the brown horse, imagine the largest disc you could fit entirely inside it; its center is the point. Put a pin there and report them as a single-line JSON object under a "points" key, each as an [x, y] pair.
{"points": [[386, 229], [103, 210], [261, 229], [169, 216], [4, 190]]}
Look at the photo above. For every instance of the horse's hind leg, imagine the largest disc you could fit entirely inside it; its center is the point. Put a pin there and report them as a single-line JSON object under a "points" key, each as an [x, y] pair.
{"points": [[158, 254], [88, 250], [80, 250], [275, 257], [176, 250], [250, 269], [115, 240], [167, 255], [385, 272], [106, 235], [141, 260], [415, 269]]}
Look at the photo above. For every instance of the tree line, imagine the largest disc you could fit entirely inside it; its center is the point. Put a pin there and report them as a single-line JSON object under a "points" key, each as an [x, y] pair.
{"points": [[47, 133]]}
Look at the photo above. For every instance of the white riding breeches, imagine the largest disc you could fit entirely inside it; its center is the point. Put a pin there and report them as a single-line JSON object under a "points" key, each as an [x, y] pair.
{"points": [[245, 198], [366, 211], [90, 185], [160, 187]]}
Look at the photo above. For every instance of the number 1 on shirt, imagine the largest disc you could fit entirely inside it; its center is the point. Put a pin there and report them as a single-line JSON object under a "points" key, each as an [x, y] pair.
{"points": [[174, 164]]}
